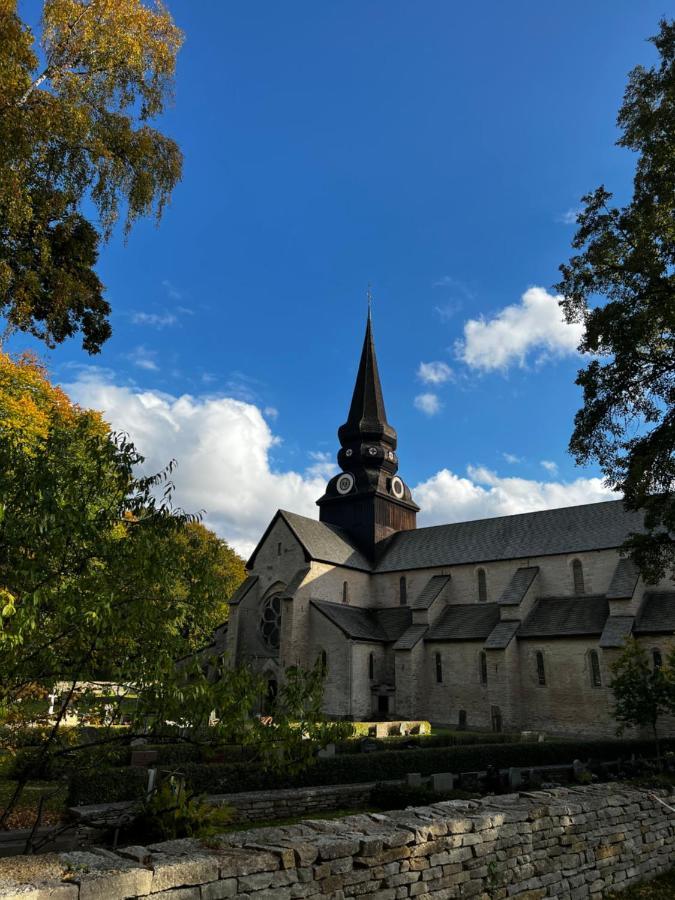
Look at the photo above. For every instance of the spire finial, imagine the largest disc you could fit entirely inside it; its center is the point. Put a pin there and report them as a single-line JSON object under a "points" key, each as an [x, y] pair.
{"points": [[369, 295]]}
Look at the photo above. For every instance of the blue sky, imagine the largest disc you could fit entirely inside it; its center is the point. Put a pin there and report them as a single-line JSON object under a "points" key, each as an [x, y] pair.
{"points": [[436, 150]]}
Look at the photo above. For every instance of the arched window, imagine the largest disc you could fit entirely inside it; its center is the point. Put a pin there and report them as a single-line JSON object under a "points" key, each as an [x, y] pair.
{"points": [[596, 677], [279, 549], [482, 585], [371, 666], [439, 669], [402, 590], [461, 721], [270, 621], [541, 671], [657, 659], [578, 576], [345, 592], [482, 665]]}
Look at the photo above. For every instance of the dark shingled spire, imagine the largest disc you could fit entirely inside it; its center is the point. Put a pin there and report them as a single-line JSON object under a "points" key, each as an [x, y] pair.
{"points": [[365, 498], [367, 416]]}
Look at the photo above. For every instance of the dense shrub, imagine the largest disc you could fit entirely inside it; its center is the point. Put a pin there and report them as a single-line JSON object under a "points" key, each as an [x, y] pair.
{"points": [[359, 768]]}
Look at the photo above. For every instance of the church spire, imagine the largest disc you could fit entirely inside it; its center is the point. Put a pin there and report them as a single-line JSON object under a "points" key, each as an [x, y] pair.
{"points": [[367, 498], [367, 417]]}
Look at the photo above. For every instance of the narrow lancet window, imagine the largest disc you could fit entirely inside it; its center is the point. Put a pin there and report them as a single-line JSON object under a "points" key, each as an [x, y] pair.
{"points": [[439, 669], [596, 677], [578, 577], [482, 585], [541, 671], [403, 591], [482, 660]]}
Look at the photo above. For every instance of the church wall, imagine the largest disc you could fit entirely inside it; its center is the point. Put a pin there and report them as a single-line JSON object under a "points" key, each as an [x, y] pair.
{"points": [[337, 698], [326, 582], [568, 703], [555, 577], [362, 696], [461, 687]]}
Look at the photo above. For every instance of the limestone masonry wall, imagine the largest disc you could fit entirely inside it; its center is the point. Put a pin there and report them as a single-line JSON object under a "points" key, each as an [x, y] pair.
{"points": [[568, 843]]}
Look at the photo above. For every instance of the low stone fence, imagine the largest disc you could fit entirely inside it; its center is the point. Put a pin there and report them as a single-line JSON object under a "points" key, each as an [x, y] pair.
{"points": [[564, 843], [252, 806]]}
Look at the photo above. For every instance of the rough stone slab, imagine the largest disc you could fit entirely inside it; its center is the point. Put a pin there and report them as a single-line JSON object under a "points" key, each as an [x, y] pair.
{"points": [[182, 871]]}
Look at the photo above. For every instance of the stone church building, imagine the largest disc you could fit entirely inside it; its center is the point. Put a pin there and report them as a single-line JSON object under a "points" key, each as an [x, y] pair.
{"points": [[504, 623]]}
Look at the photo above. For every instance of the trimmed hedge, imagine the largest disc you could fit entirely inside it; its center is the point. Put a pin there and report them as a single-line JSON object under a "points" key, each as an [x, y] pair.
{"points": [[127, 784], [452, 739]]}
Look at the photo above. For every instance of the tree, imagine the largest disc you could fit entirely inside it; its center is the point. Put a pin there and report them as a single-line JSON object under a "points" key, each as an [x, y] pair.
{"points": [[210, 572], [101, 577], [75, 134], [622, 287], [642, 694]]}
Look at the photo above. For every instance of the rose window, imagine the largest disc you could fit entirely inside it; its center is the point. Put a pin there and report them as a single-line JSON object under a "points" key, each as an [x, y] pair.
{"points": [[270, 621]]}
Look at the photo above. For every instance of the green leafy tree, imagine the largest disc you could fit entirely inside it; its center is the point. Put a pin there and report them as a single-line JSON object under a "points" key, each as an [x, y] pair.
{"points": [[97, 578], [621, 285], [75, 130], [642, 693]]}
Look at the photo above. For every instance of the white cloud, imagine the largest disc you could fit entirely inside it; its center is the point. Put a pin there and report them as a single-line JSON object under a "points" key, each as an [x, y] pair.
{"points": [[143, 358], [550, 466], [535, 324], [271, 412], [434, 372], [447, 497], [324, 465], [569, 217], [154, 320], [512, 459], [429, 404], [172, 290], [222, 447]]}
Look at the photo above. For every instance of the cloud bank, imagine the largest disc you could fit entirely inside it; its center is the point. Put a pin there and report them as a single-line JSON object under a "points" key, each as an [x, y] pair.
{"points": [[533, 326], [224, 451]]}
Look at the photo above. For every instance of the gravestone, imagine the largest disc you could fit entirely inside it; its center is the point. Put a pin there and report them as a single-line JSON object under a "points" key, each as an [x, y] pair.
{"points": [[413, 779], [442, 781]]}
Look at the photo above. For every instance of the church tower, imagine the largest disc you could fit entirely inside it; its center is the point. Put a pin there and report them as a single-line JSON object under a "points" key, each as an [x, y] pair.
{"points": [[367, 498]]}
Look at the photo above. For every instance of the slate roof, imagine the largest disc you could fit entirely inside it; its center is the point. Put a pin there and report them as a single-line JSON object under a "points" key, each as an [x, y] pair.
{"points": [[593, 526], [657, 614], [501, 635], [624, 580], [465, 622], [242, 590], [321, 542], [521, 582], [381, 625], [616, 630], [411, 637], [566, 616], [430, 591]]}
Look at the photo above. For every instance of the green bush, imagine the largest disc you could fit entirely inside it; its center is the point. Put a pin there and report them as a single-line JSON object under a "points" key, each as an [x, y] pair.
{"points": [[349, 768]]}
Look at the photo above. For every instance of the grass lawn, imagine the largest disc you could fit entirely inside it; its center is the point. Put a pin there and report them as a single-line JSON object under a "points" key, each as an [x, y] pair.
{"points": [[662, 888]]}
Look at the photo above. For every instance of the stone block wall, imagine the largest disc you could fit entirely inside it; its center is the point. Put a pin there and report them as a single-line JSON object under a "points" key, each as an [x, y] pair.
{"points": [[567, 843], [252, 806]]}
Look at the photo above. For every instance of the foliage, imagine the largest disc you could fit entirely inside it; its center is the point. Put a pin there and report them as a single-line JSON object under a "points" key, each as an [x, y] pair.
{"points": [[97, 582], [642, 693], [74, 130], [173, 812], [379, 766], [211, 571], [627, 258]]}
